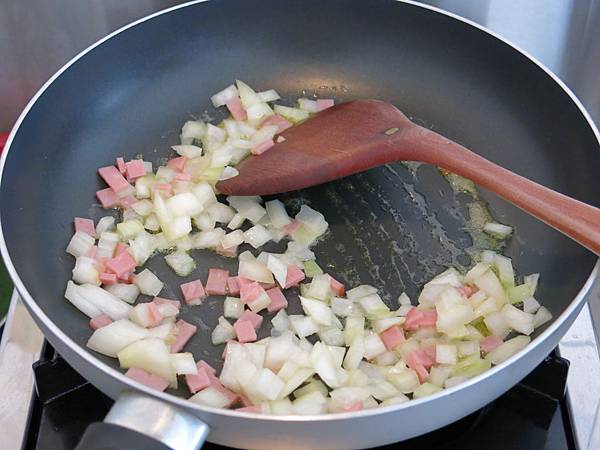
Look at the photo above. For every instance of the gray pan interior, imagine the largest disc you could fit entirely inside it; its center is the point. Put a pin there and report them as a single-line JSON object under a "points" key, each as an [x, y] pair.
{"points": [[389, 227]]}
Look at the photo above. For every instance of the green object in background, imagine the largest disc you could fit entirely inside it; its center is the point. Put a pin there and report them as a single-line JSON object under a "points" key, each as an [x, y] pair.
{"points": [[5, 290]]}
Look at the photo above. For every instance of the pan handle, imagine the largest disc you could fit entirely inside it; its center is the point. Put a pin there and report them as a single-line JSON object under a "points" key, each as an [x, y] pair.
{"points": [[139, 421]]}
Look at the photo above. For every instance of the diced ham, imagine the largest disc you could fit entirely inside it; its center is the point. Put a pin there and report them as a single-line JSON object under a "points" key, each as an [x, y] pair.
{"points": [[230, 252], [184, 332], [250, 292], [113, 178], [294, 276], [128, 201], [250, 409], [193, 292], [154, 315], [233, 287], [392, 337], [413, 319], [236, 109], [356, 406], [429, 318], [291, 227], [467, 290], [427, 356], [85, 226], [163, 187], [181, 176], [231, 396], [414, 362], [281, 123], [121, 248], [126, 278], [217, 282], [490, 343], [197, 381], [121, 264], [266, 286], [241, 281], [166, 301], [108, 278], [100, 321], [278, 300], [121, 166], [209, 369], [324, 103], [336, 286], [91, 253], [252, 317], [107, 198], [262, 147], [244, 331], [135, 169], [148, 379], [177, 164]]}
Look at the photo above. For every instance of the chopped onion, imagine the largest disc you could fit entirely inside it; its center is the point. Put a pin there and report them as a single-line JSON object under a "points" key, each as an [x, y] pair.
{"points": [[233, 307], [518, 320], [192, 130], [126, 292], [507, 349], [106, 223], [211, 396], [373, 346], [225, 96], [497, 230], [294, 115], [303, 326], [183, 363], [541, 317], [80, 244], [269, 96], [257, 236], [114, 337], [360, 291], [256, 271], [148, 283], [208, 239], [317, 310]]}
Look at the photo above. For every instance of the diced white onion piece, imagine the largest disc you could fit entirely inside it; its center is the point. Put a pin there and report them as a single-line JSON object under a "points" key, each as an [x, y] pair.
{"points": [[541, 317], [355, 326], [167, 310], [109, 304], [215, 134], [380, 325], [181, 263], [403, 378], [114, 337], [303, 326], [151, 223], [518, 320], [323, 364], [222, 333], [247, 95], [446, 354], [386, 359], [477, 270], [151, 354], [373, 306], [88, 308], [266, 384], [278, 268], [403, 299], [300, 252], [310, 404], [148, 283], [189, 151], [313, 220], [439, 374], [233, 307], [257, 113], [268, 96], [466, 348], [86, 271], [143, 207], [507, 349], [183, 363], [497, 230], [126, 292], [80, 244], [317, 310], [232, 239], [404, 310], [332, 336], [277, 213], [360, 291], [106, 223], [186, 204], [192, 130], [210, 396], [255, 271], [260, 303], [294, 115], [373, 346], [489, 283], [257, 236], [505, 270], [497, 324], [280, 321], [532, 280], [224, 96], [400, 398], [228, 172], [343, 307], [248, 207], [165, 174], [308, 105], [449, 276], [320, 287], [426, 389], [205, 193]]}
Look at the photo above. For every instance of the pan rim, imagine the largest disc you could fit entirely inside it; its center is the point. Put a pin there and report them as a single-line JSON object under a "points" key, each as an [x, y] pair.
{"points": [[97, 364]]}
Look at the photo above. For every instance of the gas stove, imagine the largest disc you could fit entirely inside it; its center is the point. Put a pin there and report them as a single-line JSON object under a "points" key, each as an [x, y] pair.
{"points": [[554, 407]]}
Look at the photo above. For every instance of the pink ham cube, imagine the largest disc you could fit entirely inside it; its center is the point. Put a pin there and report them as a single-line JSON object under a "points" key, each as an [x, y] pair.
{"points": [[414, 362], [429, 318], [252, 317], [413, 319], [121, 248], [236, 109], [392, 337], [266, 286], [128, 201], [336, 286], [164, 188], [181, 176], [250, 292], [427, 356], [100, 321], [466, 290], [324, 103], [241, 281], [291, 227], [229, 252], [121, 166], [209, 369], [232, 397], [233, 287], [177, 164], [166, 301], [113, 178], [244, 331], [278, 300], [154, 316], [356, 406], [250, 409], [281, 123], [108, 279], [135, 169], [490, 343], [294, 276], [197, 381], [107, 198], [262, 147], [121, 264], [193, 292], [148, 379], [85, 226], [184, 332], [217, 282], [126, 278]]}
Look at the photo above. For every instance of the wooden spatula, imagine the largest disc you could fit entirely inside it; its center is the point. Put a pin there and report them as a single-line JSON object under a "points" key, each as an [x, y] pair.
{"points": [[356, 136]]}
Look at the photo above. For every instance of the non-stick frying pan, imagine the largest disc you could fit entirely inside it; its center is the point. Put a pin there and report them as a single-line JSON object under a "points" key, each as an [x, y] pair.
{"points": [[390, 227]]}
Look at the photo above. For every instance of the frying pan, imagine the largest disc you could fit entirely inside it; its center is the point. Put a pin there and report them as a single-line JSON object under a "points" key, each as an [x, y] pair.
{"points": [[391, 227]]}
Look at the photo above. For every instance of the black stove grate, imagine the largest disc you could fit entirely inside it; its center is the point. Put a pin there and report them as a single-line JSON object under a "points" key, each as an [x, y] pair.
{"points": [[531, 416]]}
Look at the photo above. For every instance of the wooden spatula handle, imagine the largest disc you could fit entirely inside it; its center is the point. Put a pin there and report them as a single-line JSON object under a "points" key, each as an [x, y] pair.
{"points": [[577, 220]]}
